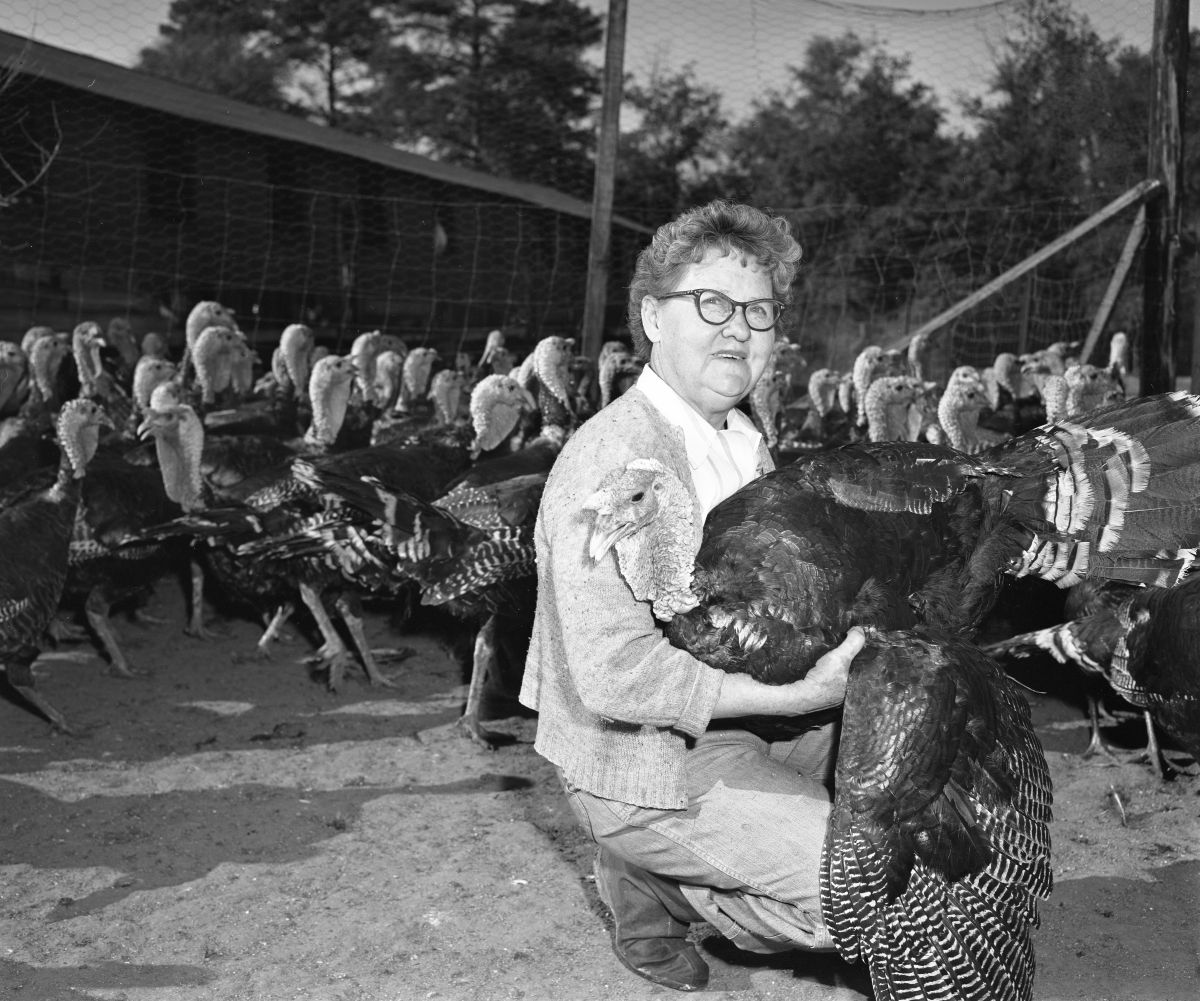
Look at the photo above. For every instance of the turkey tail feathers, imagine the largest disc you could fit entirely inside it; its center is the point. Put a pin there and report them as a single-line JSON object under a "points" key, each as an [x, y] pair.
{"points": [[1118, 497], [932, 923], [506, 555], [362, 492], [393, 506]]}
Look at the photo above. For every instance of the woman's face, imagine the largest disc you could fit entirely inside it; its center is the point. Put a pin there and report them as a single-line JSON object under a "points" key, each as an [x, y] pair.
{"points": [[711, 366]]}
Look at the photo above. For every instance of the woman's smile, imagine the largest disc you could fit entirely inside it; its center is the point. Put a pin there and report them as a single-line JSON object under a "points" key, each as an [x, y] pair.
{"points": [[710, 365]]}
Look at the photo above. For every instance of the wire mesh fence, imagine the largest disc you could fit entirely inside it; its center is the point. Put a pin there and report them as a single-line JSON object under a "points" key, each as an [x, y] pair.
{"points": [[141, 214], [923, 259], [149, 206]]}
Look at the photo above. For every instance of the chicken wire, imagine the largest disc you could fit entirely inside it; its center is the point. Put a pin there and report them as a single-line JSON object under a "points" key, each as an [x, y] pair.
{"points": [[143, 213], [745, 51]]}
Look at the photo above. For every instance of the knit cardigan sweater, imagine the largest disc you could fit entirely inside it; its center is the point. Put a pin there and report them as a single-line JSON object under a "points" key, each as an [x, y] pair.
{"points": [[617, 704]]}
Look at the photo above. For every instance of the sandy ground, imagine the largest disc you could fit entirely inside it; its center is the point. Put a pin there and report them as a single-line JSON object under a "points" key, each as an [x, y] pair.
{"points": [[227, 829]]}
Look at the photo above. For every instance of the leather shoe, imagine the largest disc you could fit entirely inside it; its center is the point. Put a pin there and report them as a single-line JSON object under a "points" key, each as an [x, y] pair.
{"points": [[651, 917]]}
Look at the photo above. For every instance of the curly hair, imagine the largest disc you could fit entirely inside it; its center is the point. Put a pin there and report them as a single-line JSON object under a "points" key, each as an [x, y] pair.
{"points": [[727, 226]]}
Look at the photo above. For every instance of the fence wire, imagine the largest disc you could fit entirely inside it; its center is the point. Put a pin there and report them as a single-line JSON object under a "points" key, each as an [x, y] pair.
{"points": [[143, 212]]}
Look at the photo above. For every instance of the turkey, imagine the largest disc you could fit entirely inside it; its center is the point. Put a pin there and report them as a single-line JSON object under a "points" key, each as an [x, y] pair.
{"points": [[26, 438], [364, 353], [389, 373], [469, 551], [889, 406], [1079, 389], [414, 381], [278, 402], [123, 349], [251, 534], [937, 850], [1118, 359], [790, 364], [871, 363], [1054, 359], [180, 444], [765, 404], [35, 537], [1144, 642], [495, 359], [1012, 396], [14, 377], [95, 381], [245, 466], [617, 368], [214, 356], [154, 345], [236, 468], [277, 503], [414, 402], [119, 500], [148, 374], [959, 409], [496, 405], [825, 423], [205, 314], [545, 372]]}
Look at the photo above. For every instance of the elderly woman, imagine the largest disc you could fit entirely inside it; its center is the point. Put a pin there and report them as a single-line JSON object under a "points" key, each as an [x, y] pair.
{"points": [[695, 818]]}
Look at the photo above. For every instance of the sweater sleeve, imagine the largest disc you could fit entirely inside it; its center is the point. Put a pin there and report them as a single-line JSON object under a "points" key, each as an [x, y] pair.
{"points": [[621, 665]]}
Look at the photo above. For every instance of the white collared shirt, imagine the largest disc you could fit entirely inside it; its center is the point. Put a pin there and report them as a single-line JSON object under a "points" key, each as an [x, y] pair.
{"points": [[721, 461]]}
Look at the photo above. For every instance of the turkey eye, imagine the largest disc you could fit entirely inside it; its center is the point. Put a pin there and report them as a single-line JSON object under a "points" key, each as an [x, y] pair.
{"points": [[638, 496]]}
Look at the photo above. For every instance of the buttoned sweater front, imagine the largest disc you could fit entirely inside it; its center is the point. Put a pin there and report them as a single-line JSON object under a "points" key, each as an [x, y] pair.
{"points": [[617, 704]]}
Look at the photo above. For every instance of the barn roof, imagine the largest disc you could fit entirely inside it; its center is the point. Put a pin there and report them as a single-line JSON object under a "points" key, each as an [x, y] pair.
{"points": [[24, 55]]}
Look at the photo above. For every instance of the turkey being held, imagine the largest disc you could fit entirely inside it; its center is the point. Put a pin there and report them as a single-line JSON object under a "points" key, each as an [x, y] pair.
{"points": [[937, 851]]}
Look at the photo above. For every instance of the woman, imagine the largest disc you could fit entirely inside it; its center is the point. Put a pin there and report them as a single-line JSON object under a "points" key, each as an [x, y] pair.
{"points": [[693, 821]]}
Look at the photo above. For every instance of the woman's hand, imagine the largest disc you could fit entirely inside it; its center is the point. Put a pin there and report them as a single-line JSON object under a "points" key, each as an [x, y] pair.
{"points": [[822, 688], [826, 679]]}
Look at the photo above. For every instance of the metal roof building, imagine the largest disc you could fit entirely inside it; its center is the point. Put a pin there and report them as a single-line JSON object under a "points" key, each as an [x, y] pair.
{"points": [[158, 195]]}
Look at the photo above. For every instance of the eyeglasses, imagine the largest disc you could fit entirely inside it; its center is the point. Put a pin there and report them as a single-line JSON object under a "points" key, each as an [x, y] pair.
{"points": [[716, 307]]}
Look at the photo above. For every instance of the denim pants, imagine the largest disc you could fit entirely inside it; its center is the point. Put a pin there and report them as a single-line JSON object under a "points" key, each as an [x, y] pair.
{"points": [[747, 848]]}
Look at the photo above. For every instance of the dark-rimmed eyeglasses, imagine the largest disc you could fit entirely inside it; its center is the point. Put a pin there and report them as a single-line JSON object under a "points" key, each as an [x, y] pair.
{"points": [[716, 307]]}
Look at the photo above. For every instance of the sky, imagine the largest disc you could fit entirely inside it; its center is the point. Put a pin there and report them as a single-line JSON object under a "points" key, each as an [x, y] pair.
{"points": [[741, 47]]}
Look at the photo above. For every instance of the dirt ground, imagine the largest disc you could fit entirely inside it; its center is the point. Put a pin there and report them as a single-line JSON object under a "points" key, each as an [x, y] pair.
{"points": [[227, 830]]}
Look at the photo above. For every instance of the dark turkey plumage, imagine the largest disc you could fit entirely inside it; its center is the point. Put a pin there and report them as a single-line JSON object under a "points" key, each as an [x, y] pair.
{"points": [[35, 538], [1144, 642], [243, 536], [470, 550], [938, 849], [119, 501]]}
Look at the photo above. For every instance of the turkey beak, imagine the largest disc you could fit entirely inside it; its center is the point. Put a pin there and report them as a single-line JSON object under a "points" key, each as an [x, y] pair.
{"points": [[603, 539], [527, 400], [146, 428]]}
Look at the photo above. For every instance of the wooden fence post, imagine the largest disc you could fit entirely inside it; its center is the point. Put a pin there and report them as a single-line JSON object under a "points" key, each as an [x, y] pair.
{"points": [[1160, 298], [596, 296]]}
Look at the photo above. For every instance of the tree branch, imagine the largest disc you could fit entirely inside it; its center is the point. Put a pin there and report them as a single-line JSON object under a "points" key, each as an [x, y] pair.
{"points": [[14, 180]]}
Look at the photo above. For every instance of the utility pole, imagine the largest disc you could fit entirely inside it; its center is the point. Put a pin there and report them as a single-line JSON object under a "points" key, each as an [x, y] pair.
{"points": [[1160, 297], [596, 295]]}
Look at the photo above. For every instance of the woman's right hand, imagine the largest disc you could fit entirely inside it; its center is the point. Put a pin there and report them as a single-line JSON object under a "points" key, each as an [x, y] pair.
{"points": [[824, 687], [825, 684]]}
